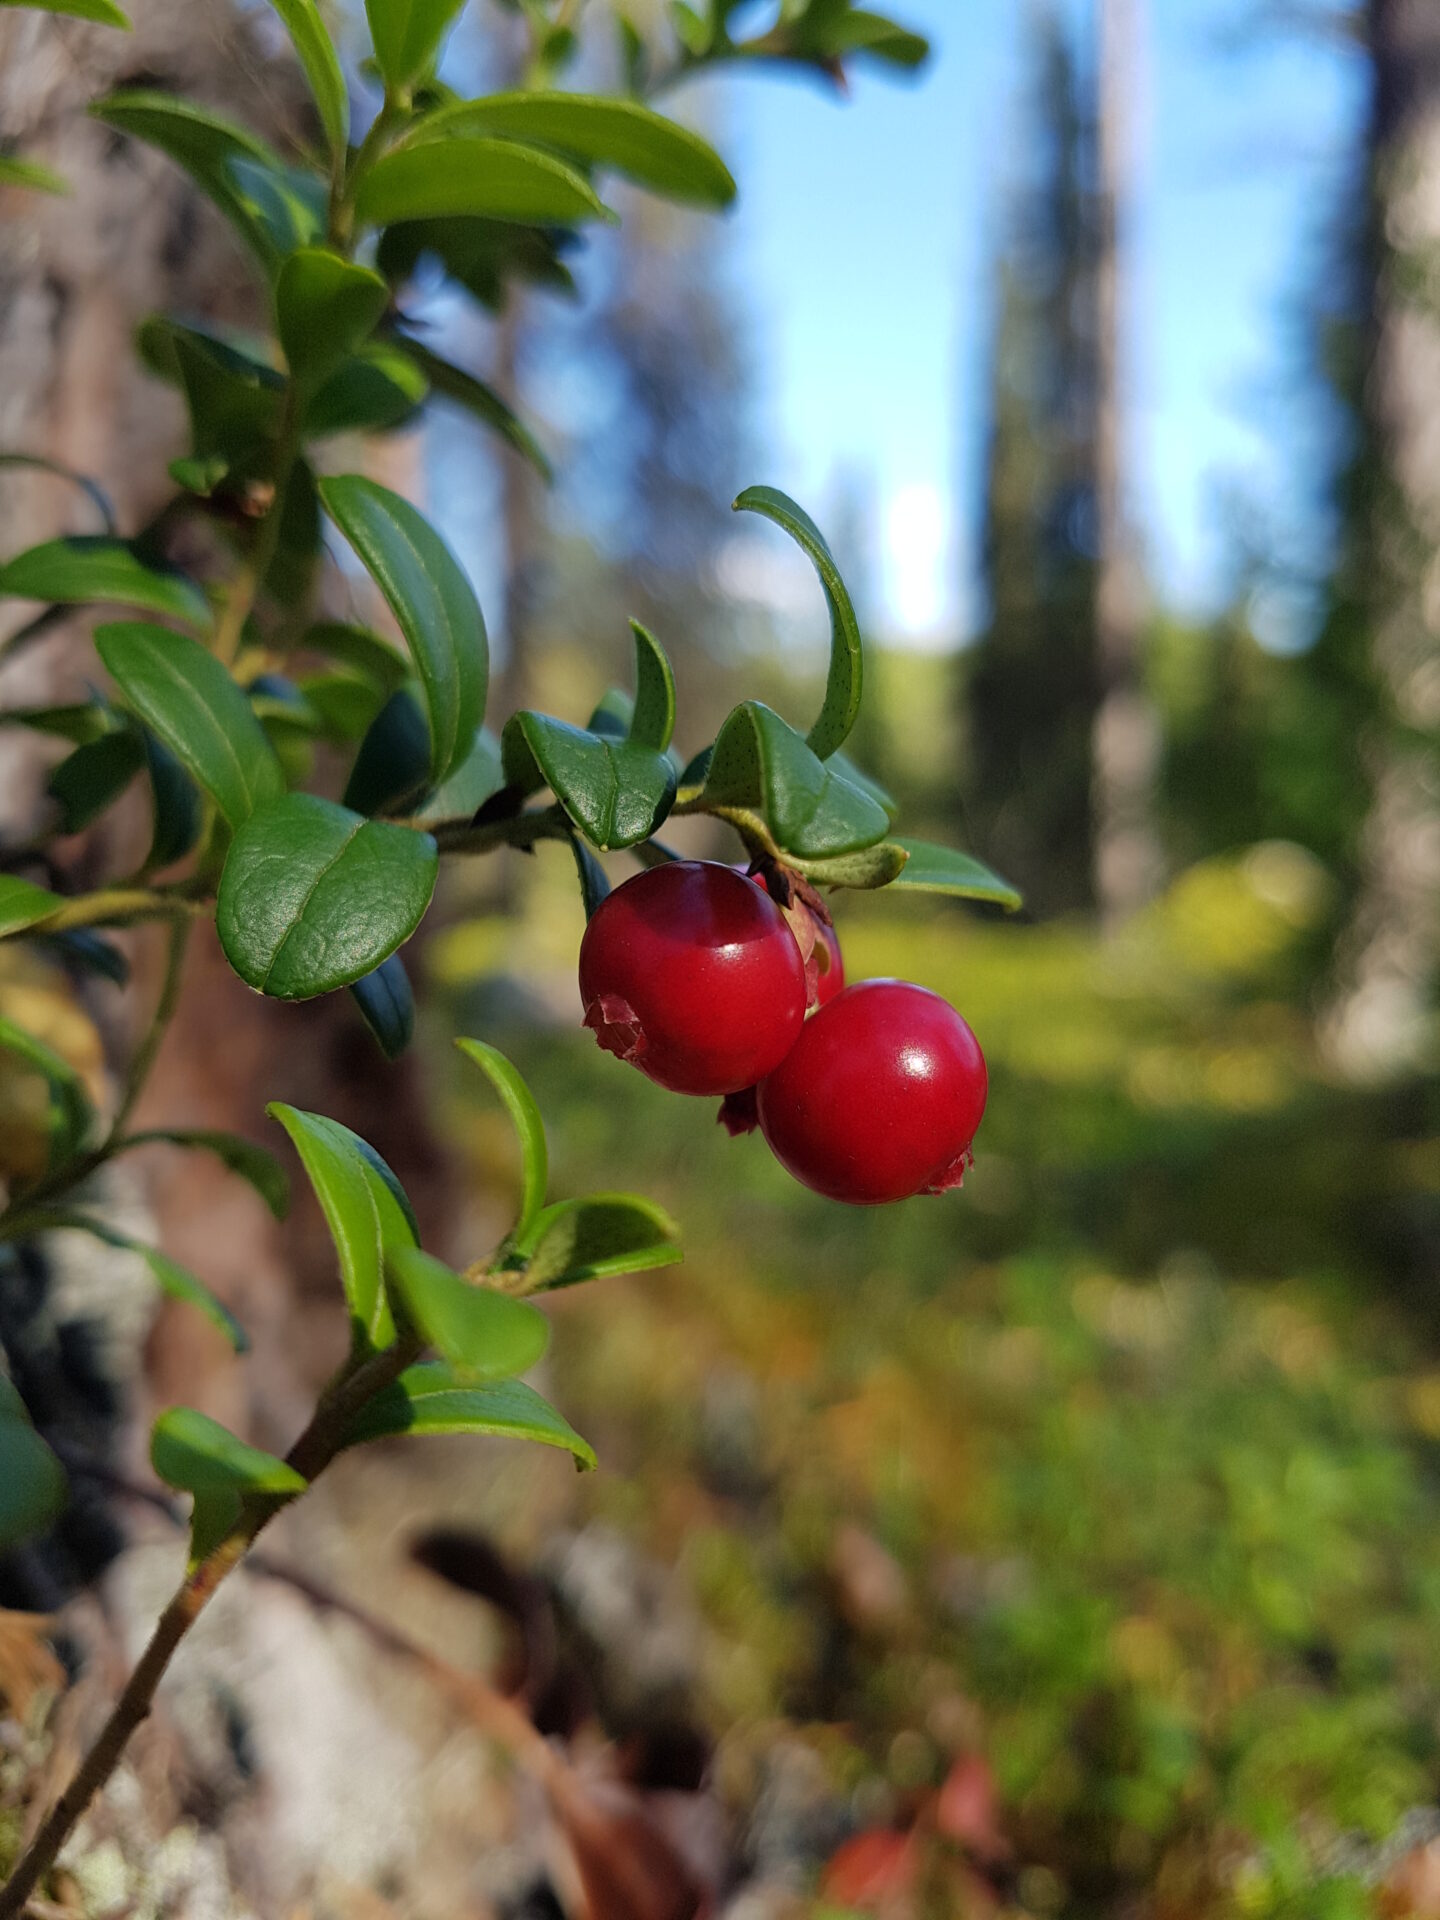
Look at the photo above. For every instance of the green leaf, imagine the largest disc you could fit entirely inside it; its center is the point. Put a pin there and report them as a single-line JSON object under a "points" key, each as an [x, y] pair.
{"points": [[252, 1163], [606, 1233], [759, 762], [519, 1103], [71, 1113], [178, 813], [653, 722], [22, 903], [622, 135], [90, 779], [614, 791], [346, 706], [594, 886], [480, 400], [934, 869], [429, 1399], [194, 706], [486, 1336], [358, 648], [178, 1283], [484, 256], [353, 1197], [87, 567], [318, 57], [297, 554], [843, 686], [325, 307], [15, 172], [104, 12], [375, 390], [690, 30], [433, 601], [859, 31], [33, 1487], [478, 775], [77, 724], [314, 897], [82, 951], [234, 403], [387, 1006], [871, 867], [195, 1454], [499, 179], [841, 763], [392, 768], [406, 35]]}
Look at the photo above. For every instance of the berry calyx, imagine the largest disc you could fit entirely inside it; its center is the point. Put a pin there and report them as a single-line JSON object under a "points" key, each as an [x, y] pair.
{"points": [[691, 973], [879, 1098]]}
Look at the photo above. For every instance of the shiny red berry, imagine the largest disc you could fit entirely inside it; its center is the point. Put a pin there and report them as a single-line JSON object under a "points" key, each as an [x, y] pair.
{"points": [[691, 972], [879, 1098]]}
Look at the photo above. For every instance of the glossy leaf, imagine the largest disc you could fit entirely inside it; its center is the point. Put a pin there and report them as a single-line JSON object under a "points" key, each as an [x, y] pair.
{"points": [[104, 12], [606, 1233], [348, 1189], [430, 1399], [481, 401], [622, 135], [325, 309], [387, 1006], [519, 1103], [392, 768], [486, 1336], [760, 763], [250, 1162], [15, 172], [843, 685], [33, 1488], [373, 391], [936, 869], [652, 721], [316, 50], [842, 763], [187, 698], [614, 791], [84, 568], [22, 903], [94, 776], [478, 776], [433, 601], [195, 1454], [313, 896], [406, 35], [178, 1283], [498, 179], [71, 1113]]}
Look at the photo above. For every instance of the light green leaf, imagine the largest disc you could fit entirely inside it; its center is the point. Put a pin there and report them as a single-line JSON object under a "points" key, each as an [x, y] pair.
{"points": [[499, 179], [857, 30], [430, 597], [480, 400], [22, 903], [871, 867], [104, 12], [623, 135], [652, 723], [605, 1233], [178, 1283], [615, 791], [429, 1399], [519, 1103], [485, 1335], [318, 57], [314, 897], [843, 686], [195, 1454], [759, 762], [190, 701], [325, 307], [934, 869], [407, 35], [83, 568], [15, 172]]}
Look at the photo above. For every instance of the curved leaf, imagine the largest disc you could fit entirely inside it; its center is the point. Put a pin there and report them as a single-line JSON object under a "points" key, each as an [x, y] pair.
{"points": [[499, 179], [843, 686], [605, 1233], [356, 647], [104, 12], [318, 57], [191, 702], [22, 903], [93, 491], [486, 1336], [33, 1487], [652, 723], [478, 775], [392, 767], [430, 597], [88, 780], [15, 172], [178, 1283], [759, 762], [481, 400], [429, 1399], [70, 1112], [519, 1103], [90, 567], [406, 35], [178, 813], [313, 897], [387, 1006], [614, 791], [195, 1454], [325, 307], [252, 1163], [371, 392], [934, 869]]}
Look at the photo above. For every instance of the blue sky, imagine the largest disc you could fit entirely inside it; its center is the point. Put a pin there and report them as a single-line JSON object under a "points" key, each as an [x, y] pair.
{"points": [[863, 240]]}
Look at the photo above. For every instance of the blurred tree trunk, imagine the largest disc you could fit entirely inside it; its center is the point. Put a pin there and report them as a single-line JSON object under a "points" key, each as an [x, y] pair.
{"points": [[1127, 733], [1379, 1018]]}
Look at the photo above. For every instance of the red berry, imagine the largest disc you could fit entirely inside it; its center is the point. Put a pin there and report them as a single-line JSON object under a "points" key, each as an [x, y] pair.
{"points": [[880, 1096], [691, 972]]}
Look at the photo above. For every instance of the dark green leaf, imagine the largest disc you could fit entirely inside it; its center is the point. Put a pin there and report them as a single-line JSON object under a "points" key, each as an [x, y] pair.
{"points": [[179, 814], [83, 951], [22, 903], [614, 791], [622, 135], [429, 1399], [485, 1335], [933, 869], [233, 400], [392, 768], [350, 1193], [194, 706], [406, 35], [478, 776], [77, 724], [252, 1163], [86, 568], [195, 1454], [325, 307], [482, 255], [345, 706], [594, 887], [33, 1487], [318, 57], [71, 1113], [287, 204], [291, 572], [841, 763], [357, 647], [314, 897], [606, 1233], [653, 720], [519, 1103], [178, 1283], [843, 687], [499, 179], [759, 762], [433, 602], [480, 400], [387, 1006], [104, 12], [94, 776], [372, 392]]}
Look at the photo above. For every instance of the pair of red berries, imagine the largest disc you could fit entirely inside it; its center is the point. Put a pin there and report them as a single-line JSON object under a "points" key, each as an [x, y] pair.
{"points": [[692, 972]]}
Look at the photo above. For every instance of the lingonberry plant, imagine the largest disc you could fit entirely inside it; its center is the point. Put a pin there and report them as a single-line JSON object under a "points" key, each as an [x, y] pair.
{"points": [[230, 677]]}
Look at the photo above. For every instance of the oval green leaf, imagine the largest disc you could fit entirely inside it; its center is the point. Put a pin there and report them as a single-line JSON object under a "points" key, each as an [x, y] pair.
{"points": [[22, 903], [519, 1103], [195, 1454], [70, 1111], [652, 723], [88, 780], [614, 791], [430, 1399], [178, 1283], [313, 897], [92, 567], [759, 762], [935, 869], [374, 390], [485, 1335], [33, 1487], [325, 308], [498, 179], [606, 1233]]}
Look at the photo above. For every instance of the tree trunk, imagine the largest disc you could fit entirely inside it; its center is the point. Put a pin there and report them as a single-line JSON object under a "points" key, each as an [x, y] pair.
{"points": [[1379, 1020]]}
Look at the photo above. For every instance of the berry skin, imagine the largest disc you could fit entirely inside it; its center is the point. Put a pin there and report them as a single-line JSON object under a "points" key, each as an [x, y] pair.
{"points": [[691, 972], [825, 982], [879, 1098]]}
